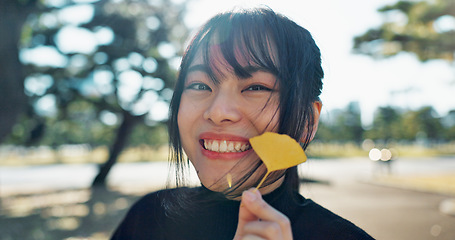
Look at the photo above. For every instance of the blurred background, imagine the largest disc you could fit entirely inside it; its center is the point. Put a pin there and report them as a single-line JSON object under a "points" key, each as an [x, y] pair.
{"points": [[85, 87]]}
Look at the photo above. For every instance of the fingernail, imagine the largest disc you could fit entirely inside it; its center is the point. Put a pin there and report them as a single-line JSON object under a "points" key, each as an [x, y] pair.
{"points": [[249, 196]]}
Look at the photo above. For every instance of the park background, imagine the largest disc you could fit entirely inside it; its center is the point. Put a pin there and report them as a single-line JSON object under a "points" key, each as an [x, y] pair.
{"points": [[85, 86]]}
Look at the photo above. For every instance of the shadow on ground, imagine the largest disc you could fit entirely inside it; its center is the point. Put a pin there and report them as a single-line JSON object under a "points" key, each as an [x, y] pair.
{"points": [[72, 213], [66, 214]]}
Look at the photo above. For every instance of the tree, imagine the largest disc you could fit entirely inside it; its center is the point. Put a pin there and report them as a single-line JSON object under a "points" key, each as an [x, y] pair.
{"points": [[422, 123], [104, 64], [386, 125], [415, 26], [13, 14], [389, 124], [345, 125], [448, 123], [353, 123], [425, 28]]}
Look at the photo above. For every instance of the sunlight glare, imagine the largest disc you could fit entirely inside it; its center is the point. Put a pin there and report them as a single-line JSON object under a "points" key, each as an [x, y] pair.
{"points": [[46, 106], [35, 56], [37, 84], [130, 83], [151, 83], [444, 24], [108, 118], [159, 111], [144, 104], [375, 154], [167, 93], [135, 59], [76, 14], [104, 35], [48, 20], [55, 3], [152, 23], [121, 64], [166, 50], [100, 58], [150, 65], [71, 39], [103, 81], [229, 179], [386, 154]]}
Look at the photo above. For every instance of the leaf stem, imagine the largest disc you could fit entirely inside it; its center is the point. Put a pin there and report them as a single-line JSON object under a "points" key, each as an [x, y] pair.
{"points": [[263, 179]]}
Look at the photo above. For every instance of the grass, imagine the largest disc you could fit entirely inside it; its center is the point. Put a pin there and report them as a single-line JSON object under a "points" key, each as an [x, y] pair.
{"points": [[77, 154], [80, 154], [441, 183], [344, 150]]}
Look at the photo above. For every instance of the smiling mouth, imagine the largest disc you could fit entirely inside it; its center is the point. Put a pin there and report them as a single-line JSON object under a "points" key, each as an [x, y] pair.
{"points": [[224, 146]]}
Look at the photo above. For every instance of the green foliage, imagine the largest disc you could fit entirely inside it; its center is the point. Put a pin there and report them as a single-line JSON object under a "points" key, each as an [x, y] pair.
{"points": [[344, 125], [450, 133], [415, 27], [424, 122], [80, 126], [390, 124], [415, 31], [386, 124], [155, 136], [123, 76]]}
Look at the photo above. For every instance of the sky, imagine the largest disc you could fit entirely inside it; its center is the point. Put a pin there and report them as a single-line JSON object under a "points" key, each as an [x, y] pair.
{"points": [[401, 81]]}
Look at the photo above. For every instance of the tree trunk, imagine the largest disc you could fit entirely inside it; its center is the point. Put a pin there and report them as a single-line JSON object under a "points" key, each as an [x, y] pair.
{"points": [[12, 97], [123, 133]]}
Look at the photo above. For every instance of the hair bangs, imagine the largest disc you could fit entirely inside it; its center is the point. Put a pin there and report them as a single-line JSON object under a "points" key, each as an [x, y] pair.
{"points": [[235, 42]]}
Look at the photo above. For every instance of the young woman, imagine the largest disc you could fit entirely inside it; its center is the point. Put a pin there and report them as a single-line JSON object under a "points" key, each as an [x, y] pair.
{"points": [[244, 73]]}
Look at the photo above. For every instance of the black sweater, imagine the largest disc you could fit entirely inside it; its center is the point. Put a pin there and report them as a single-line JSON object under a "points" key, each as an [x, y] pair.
{"points": [[202, 214]]}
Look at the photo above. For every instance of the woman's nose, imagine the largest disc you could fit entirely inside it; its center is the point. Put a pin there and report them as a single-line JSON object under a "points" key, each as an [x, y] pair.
{"points": [[224, 108]]}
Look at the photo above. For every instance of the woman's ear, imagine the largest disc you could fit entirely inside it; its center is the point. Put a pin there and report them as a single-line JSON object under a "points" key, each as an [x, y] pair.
{"points": [[317, 106]]}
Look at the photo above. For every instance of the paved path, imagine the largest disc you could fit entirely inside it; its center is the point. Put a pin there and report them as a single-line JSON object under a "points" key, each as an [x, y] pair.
{"points": [[385, 212]]}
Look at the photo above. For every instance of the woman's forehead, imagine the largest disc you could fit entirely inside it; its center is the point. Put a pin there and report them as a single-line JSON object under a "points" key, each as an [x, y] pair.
{"points": [[213, 60], [216, 57]]}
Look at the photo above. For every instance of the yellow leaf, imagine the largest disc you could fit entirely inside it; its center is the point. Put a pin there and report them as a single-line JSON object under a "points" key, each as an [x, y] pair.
{"points": [[277, 151]]}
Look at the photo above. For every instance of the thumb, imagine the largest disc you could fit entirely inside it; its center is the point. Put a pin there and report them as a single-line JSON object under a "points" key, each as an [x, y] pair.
{"points": [[245, 215]]}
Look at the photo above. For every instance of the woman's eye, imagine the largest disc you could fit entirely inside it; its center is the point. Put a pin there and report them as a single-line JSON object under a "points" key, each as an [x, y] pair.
{"points": [[257, 88], [199, 86]]}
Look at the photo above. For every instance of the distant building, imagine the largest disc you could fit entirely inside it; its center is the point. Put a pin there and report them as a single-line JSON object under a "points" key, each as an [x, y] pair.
{"points": [[449, 120]]}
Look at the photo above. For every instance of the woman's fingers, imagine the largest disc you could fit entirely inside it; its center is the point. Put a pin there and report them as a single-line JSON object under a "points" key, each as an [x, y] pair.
{"points": [[261, 209], [258, 218], [264, 229], [252, 237], [245, 216]]}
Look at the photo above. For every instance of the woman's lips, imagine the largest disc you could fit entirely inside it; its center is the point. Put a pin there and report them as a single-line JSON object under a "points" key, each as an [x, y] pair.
{"points": [[226, 147]]}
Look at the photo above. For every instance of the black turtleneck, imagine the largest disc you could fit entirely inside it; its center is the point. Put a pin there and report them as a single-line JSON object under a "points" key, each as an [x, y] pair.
{"points": [[198, 213]]}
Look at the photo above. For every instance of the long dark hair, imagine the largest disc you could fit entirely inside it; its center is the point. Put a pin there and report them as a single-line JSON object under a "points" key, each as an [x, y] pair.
{"points": [[270, 41]]}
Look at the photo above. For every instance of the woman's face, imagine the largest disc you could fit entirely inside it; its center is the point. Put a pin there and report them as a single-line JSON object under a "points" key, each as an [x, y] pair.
{"points": [[216, 120]]}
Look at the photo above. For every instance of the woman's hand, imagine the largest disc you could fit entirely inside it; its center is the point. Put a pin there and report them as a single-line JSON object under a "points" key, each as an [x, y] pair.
{"points": [[258, 220]]}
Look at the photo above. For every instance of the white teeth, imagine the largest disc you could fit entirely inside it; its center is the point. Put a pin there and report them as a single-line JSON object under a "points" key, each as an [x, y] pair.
{"points": [[225, 146], [243, 148], [230, 147], [237, 146], [215, 146]]}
